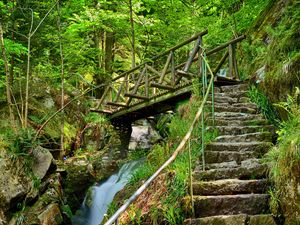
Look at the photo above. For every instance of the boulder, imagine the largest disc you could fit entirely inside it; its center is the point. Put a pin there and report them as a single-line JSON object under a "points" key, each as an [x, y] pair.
{"points": [[42, 162], [12, 186], [51, 216]]}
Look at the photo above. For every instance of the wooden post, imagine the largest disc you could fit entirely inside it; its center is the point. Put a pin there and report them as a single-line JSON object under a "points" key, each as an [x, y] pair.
{"points": [[164, 71], [200, 51], [236, 72], [147, 84], [173, 71], [230, 50], [137, 84], [193, 54]]}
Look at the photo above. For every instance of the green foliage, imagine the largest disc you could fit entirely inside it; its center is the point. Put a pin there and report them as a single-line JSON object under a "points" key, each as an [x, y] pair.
{"points": [[21, 144], [264, 104], [67, 211], [285, 159]]}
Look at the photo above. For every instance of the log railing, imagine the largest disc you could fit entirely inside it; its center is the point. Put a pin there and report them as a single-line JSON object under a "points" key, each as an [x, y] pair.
{"points": [[154, 78]]}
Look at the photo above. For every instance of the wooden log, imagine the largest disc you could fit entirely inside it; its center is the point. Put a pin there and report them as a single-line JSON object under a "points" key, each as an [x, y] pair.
{"points": [[165, 69], [235, 67], [230, 50], [193, 54], [163, 54], [216, 70], [105, 111], [118, 104], [153, 70], [161, 86], [136, 96]]}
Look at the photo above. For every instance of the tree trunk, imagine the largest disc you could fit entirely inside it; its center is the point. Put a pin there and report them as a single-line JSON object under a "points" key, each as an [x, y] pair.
{"points": [[132, 35], [109, 54], [8, 84], [62, 136]]}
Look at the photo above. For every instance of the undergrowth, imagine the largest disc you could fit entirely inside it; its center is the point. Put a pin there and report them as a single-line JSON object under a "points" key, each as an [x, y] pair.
{"points": [[285, 163], [264, 105]]}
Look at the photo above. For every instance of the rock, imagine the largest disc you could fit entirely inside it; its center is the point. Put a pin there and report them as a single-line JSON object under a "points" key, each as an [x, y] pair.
{"points": [[237, 130], [230, 186], [51, 216], [258, 136], [12, 187], [242, 172], [218, 220], [232, 108], [231, 204], [143, 135], [237, 116], [257, 147], [261, 220], [226, 156], [42, 163]]}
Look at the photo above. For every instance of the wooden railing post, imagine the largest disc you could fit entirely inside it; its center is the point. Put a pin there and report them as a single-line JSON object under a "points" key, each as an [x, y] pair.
{"points": [[193, 54], [235, 67], [230, 50], [173, 70]]}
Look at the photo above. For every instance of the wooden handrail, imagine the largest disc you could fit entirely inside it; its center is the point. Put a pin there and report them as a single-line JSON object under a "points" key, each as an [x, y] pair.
{"points": [[162, 54]]}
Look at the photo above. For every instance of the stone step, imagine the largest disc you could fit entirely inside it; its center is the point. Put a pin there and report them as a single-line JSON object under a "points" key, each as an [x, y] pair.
{"points": [[247, 105], [226, 122], [255, 146], [238, 116], [251, 204], [235, 88], [228, 164], [237, 94], [227, 99], [223, 99], [237, 130], [230, 187], [231, 108], [227, 156], [257, 136], [240, 219], [250, 168]]}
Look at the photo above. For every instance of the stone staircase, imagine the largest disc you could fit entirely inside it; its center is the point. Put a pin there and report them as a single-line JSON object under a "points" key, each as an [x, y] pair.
{"points": [[233, 190]]}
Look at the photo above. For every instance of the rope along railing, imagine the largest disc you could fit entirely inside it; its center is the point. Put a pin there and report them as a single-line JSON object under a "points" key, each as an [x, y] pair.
{"points": [[187, 137]]}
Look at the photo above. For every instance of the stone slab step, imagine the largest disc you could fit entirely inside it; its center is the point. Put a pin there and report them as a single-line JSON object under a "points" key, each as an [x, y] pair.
{"points": [[237, 94], [229, 164], [239, 116], [227, 156], [257, 136], [230, 187], [240, 219], [255, 146], [223, 99], [225, 122], [234, 88], [247, 105], [237, 130], [249, 169], [251, 204], [231, 108]]}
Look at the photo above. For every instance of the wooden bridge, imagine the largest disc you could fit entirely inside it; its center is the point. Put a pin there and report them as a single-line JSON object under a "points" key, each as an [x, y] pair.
{"points": [[158, 85]]}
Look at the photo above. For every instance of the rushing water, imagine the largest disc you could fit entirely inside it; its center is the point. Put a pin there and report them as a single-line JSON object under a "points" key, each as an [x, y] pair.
{"points": [[99, 196]]}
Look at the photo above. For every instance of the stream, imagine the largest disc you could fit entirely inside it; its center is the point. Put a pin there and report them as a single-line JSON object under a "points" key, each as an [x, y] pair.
{"points": [[99, 196]]}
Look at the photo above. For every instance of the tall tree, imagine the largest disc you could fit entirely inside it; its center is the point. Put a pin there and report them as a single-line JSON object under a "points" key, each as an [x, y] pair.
{"points": [[8, 83]]}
